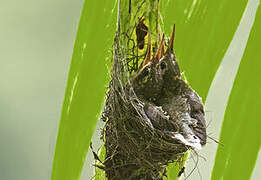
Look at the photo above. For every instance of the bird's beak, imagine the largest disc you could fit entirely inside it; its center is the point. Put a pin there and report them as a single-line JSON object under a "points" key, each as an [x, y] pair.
{"points": [[161, 51], [148, 54], [171, 42]]}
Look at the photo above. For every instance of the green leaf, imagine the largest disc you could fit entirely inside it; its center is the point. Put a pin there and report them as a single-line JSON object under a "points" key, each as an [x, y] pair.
{"points": [[99, 173], [174, 169], [86, 88], [241, 123]]}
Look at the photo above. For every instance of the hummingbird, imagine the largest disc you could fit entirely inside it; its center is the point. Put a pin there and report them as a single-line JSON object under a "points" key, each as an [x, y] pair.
{"points": [[147, 83], [170, 103], [180, 101]]}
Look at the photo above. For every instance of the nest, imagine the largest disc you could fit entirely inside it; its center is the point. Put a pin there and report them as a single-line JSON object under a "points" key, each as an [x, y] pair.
{"points": [[135, 148], [143, 135]]}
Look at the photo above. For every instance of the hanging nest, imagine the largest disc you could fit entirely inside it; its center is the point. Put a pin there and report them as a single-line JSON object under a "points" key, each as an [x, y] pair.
{"points": [[152, 117]]}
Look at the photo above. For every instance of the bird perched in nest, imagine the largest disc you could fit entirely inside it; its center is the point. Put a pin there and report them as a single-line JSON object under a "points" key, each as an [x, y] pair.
{"points": [[147, 82], [170, 104]]}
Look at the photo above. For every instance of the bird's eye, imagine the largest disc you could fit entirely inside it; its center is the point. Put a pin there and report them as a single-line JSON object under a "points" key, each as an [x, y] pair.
{"points": [[145, 71], [163, 65]]}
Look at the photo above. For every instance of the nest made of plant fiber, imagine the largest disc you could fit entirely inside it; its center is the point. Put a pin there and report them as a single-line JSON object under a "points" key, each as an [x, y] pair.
{"points": [[135, 149]]}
